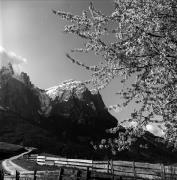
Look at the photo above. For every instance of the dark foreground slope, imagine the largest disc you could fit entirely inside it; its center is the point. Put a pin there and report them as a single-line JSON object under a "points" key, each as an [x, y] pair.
{"points": [[8, 150], [145, 147]]}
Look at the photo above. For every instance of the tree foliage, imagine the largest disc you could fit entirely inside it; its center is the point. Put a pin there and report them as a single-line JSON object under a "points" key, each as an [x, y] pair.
{"points": [[143, 45], [121, 139]]}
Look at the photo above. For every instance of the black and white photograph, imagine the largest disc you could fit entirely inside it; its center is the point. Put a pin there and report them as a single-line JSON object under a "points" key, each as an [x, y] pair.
{"points": [[88, 89]]}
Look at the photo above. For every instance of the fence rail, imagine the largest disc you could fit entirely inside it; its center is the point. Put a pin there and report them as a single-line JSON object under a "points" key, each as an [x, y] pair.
{"points": [[119, 168]]}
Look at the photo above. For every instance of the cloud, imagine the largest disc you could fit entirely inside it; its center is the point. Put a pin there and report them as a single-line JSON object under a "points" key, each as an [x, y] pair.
{"points": [[133, 123], [154, 129], [10, 57]]}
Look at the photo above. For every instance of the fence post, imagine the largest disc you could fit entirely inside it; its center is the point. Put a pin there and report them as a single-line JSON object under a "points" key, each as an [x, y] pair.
{"points": [[108, 167], [93, 172], [163, 171], [92, 165], [1, 174], [87, 174], [35, 172], [17, 176], [170, 171], [134, 170], [77, 174], [60, 173], [112, 169]]}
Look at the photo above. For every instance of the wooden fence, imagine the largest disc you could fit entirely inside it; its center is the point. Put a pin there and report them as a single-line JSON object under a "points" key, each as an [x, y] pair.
{"points": [[118, 168], [61, 174], [115, 173]]}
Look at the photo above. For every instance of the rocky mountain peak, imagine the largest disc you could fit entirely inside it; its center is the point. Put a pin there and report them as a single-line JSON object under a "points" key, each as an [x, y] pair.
{"points": [[80, 107], [67, 89], [7, 72], [18, 94], [73, 96]]}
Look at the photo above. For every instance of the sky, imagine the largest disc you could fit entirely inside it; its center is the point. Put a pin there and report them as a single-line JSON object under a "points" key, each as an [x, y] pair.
{"points": [[30, 30]]}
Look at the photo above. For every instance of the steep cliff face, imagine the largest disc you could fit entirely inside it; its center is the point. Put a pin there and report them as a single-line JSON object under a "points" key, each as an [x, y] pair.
{"points": [[81, 109], [18, 95], [73, 99]]}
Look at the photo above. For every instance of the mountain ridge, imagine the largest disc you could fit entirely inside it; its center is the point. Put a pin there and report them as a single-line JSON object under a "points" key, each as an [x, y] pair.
{"points": [[74, 116]]}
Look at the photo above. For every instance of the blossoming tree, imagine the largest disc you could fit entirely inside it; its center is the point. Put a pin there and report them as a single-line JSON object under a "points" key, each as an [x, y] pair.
{"points": [[144, 47]]}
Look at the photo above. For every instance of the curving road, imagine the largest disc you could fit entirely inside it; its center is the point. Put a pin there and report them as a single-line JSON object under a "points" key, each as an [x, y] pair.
{"points": [[11, 167]]}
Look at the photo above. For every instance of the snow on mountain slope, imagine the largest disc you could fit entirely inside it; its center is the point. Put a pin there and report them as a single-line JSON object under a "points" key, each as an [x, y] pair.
{"points": [[67, 86]]}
